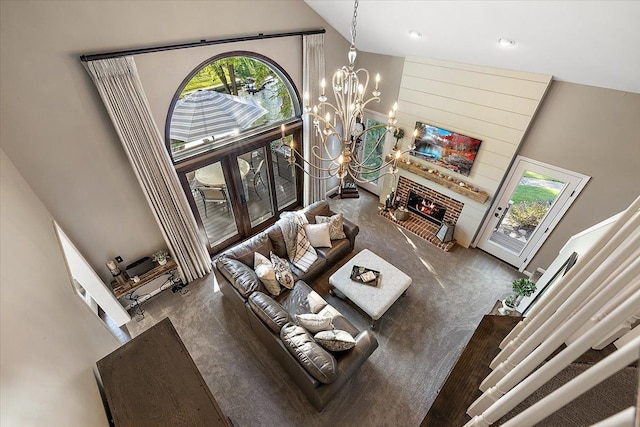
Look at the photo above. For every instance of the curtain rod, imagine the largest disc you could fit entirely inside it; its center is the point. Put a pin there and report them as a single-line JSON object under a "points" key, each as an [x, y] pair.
{"points": [[203, 42]]}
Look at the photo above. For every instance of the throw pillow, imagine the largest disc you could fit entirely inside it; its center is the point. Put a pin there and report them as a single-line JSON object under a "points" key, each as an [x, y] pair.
{"points": [[283, 271], [335, 340], [266, 273], [316, 302], [318, 235], [314, 322], [336, 230]]}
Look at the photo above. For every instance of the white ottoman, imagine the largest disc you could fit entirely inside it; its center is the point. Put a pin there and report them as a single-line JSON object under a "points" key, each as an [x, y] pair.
{"points": [[373, 300]]}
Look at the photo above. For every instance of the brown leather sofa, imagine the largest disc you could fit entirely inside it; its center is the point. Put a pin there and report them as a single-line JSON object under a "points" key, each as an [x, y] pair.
{"points": [[318, 373]]}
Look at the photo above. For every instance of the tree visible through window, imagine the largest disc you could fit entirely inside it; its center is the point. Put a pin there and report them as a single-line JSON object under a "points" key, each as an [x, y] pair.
{"points": [[225, 98]]}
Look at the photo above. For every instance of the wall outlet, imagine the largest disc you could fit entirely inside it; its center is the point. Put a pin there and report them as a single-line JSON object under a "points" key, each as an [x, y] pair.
{"points": [[118, 258]]}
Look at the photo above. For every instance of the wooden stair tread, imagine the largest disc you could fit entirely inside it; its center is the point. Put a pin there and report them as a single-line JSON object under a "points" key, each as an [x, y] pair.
{"points": [[461, 387]]}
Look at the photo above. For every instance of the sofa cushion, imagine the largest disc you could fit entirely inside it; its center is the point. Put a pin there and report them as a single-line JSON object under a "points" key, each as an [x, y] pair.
{"points": [[269, 311], [244, 251], [277, 240], [295, 300], [321, 364], [320, 207], [336, 229], [241, 276], [335, 340], [314, 322], [283, 271], [338, 249], [318, 235], [266, 273]]}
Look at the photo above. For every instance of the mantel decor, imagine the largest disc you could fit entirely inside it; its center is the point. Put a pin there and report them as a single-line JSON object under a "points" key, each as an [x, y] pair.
{"points": [[452, 184]]}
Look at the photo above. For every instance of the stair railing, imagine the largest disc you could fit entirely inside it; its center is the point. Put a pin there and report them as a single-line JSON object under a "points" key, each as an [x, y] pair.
{"points": [[500, 399], [577, 386], [566, 320], [567, 284]]}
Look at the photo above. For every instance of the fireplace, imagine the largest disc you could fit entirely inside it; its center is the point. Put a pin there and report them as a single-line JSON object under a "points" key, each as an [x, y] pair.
{"points": [[425, 222], [426, 208]]}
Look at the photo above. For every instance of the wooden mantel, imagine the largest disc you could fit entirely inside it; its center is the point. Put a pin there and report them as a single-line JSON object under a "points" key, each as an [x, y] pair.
{"points": [[453, 185]]}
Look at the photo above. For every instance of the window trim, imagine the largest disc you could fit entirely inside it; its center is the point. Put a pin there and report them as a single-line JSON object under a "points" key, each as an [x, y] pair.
{"points": [[284, 76]]}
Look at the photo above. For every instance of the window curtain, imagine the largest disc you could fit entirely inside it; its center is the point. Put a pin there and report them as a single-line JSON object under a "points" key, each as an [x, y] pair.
{"points": [[313, 70], [121, 91]]}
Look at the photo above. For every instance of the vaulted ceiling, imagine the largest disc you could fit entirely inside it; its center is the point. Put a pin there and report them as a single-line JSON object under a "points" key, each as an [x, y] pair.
{"points": [[594, 43]]}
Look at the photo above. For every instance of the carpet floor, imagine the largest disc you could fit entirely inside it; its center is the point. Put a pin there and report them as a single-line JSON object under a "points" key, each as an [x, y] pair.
{"points": [[420, 337]]}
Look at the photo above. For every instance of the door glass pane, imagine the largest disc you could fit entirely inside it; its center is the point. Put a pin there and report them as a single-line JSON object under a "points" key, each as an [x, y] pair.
{"points": [[284, 173], [370, 152], [530, 201], [209, 190], [256, 185]]}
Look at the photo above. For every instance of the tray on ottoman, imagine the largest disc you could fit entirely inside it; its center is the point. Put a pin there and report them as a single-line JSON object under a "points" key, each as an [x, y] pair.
{"points": [[373, 300]]}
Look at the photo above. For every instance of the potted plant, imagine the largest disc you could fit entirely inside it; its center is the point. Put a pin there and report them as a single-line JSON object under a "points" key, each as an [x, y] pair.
{"points": [[160, 257], [521, 287], [398, 134]]}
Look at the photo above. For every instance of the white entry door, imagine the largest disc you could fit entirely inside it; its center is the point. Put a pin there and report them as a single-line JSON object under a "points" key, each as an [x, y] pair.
{"points": [[530, 203]]}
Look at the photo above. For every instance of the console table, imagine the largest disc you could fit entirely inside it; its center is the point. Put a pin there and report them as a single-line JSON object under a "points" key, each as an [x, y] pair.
{"points": [[121, 290], [152, 381]]}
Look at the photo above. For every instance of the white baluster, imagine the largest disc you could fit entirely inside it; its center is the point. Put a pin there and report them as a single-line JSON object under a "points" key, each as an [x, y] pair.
{"points": [[621, 419], [586, 277], [577, 386], [614, 301], [626, 338], [518, 389]]}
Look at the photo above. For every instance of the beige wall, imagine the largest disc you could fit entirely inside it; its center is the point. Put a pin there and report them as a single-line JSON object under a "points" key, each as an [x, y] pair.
{"points": [[50, 340], [596, 132], [54, 126]]}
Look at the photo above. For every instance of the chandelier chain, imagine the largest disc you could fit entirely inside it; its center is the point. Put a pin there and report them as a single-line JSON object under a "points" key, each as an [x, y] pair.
{"points": [[354, 23]]}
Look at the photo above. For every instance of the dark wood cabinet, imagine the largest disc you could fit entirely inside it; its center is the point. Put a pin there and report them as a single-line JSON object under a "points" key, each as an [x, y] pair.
{"points": [[152, 381]]}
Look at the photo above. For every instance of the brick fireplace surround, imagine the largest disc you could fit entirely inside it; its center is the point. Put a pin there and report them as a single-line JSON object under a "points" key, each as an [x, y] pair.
{"points": [[416, 224]]}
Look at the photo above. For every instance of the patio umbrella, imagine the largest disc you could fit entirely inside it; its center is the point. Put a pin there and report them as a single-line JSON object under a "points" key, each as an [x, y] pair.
{"points": [[208, 113]]}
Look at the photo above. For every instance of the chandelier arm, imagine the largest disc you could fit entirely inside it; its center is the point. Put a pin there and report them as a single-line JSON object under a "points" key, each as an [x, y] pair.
{"points": [[294, 151], [312, 175], [319, 157], [375, 147]]}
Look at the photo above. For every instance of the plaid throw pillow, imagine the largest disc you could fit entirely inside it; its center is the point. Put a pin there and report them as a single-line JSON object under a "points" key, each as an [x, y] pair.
{"points": [[336, 231]]}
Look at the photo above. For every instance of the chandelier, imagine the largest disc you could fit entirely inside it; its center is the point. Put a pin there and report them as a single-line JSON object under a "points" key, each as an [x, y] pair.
{"points": [[342, 121]]}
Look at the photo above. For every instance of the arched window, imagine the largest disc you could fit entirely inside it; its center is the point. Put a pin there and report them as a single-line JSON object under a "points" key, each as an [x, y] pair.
{"points": [[223, 132], [226, 99]]}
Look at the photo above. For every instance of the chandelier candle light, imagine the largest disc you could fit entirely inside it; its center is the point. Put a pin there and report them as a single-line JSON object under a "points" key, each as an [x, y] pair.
{"points": [[349, 87]]}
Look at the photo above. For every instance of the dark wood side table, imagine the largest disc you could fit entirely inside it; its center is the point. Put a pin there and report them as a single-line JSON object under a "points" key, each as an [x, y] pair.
{"points": [[152, 381]]}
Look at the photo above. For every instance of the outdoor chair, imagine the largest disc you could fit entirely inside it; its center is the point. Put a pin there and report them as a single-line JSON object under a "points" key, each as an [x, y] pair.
{"points": [[257, 178], [216, 195]]}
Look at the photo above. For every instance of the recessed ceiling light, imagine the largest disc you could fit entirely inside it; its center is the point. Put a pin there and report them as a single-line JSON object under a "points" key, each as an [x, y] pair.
{"points": [[506, 42], [414, 34]]}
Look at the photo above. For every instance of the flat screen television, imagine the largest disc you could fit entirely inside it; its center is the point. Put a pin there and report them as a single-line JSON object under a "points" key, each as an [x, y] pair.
{"points": [[448, 149]]}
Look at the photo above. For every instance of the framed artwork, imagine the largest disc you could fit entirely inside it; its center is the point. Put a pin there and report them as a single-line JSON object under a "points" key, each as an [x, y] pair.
{"points": [[445, 148]]}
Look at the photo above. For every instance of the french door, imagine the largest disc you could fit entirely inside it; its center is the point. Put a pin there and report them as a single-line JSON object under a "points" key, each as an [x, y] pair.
{"points": [[236, 193], [371, 152], [532, 200]]}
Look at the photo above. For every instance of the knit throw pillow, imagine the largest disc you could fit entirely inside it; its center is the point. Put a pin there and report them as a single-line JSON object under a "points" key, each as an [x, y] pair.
{"points": [[336, 231]]}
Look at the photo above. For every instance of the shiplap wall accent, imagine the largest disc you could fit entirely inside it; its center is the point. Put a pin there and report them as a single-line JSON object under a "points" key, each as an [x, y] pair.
{"points": [[491, 104]]}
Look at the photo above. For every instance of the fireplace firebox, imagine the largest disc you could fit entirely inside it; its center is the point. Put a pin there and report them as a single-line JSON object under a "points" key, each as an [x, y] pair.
{"points": [[425, 208]]}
